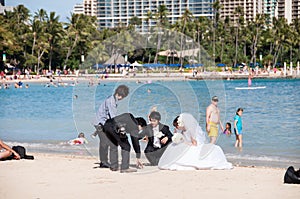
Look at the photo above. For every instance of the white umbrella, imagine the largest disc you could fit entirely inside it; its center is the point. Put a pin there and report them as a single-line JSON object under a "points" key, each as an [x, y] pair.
{"points": [[136, 64]]}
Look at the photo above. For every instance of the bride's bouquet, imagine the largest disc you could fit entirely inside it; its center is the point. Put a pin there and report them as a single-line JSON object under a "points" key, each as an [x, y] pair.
{"points": [[177, 138]]}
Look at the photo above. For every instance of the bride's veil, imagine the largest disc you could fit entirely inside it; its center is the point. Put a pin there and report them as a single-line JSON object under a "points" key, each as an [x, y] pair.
{"points": [[193, 128]]}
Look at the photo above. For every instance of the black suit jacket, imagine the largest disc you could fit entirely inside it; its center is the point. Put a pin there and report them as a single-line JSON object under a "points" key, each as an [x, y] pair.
{"points": [[131, 126], [148, 131]]}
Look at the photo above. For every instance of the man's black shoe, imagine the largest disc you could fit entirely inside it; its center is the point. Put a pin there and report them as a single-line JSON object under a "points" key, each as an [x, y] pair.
{"points": [[102, 165], [114, 169]]}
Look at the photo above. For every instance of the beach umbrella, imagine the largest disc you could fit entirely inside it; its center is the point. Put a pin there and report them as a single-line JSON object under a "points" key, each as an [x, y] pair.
{"points": [[221, 65], [173, 65]]}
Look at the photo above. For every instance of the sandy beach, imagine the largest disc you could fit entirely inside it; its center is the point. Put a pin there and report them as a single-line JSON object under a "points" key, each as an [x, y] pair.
{"points": [[142, 77], [66, 176]]}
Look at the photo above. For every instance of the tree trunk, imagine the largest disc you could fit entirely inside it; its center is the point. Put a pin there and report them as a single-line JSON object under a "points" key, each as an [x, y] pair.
{"points": [[70, 50], [255, 46], [222, 51], [236, 46], [181, 47], [50, 58], [158, 45], [276, 55], [33, 45]]}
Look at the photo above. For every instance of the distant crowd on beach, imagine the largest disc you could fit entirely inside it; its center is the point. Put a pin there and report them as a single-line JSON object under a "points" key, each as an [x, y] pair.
{"points": [[27, 74]]}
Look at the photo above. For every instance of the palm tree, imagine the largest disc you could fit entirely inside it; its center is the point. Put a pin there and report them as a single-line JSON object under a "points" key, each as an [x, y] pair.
{"points": [[202, 25], [39, 36], [17, 23], [8, 40], [187, 16], [255, 30], [216, 7], [135, 21], [161, 21], [296, 37], [149, 17], [38, 26], [280, 34], [161, 16], [78, 30], [239, 12], [224, 34], [54, 29]]}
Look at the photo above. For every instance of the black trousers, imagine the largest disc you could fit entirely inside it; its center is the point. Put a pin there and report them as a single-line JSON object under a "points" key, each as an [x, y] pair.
{"points": [[103, 144], [115, 141], [154, 154]]}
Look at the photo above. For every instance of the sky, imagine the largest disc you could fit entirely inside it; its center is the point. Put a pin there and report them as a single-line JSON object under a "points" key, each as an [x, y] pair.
{"points": [[63, 8]]}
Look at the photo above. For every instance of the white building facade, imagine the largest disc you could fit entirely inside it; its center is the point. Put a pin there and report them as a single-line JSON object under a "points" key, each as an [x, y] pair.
{"points": [[87, 7], [113, 13], [289, 9], [250, 8], [78, 9]]}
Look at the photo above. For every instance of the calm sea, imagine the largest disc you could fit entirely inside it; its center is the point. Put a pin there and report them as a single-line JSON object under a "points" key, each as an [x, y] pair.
{"points": [[43, 118]]}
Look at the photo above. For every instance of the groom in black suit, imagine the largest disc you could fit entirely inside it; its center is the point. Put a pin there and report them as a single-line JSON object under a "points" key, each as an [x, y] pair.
{"points": [[158, 136]]}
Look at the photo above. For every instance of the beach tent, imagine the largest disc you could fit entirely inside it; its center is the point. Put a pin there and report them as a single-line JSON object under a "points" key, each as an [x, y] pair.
{"points": [[115, 59], [168, 53], [136, 64]]}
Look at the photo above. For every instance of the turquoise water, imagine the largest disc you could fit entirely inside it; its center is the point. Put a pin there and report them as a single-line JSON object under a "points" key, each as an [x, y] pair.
{"points": [[42, 118]]}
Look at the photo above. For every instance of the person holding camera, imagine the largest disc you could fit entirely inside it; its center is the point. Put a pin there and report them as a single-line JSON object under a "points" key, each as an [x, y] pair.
{"points": [[107, 110], [115, 130]]}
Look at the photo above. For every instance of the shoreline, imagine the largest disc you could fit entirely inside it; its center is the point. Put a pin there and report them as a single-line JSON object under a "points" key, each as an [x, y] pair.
{"points": [[91, 152], [49, 176], [146, 77]]}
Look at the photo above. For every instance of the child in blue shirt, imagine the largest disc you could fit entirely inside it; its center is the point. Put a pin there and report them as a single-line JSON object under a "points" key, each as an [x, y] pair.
{"points": [[238, 127]]}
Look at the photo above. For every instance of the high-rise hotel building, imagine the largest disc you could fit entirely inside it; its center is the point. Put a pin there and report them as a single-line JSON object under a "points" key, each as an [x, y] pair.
{"points": [[88, 7], [296, 9], [289, 9], [113, 13], [269, 8], [78, 8], [250, 8]]}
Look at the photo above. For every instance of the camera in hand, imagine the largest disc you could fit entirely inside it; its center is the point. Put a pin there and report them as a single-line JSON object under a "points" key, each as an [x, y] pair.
{"points": [[122, 131]]}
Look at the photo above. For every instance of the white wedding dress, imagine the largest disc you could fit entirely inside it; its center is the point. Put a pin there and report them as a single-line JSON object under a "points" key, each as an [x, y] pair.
{"points": [[184, 156]]}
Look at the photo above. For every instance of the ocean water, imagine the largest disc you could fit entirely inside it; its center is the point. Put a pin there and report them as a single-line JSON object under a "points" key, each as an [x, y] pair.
{"points": [[43, 119]]}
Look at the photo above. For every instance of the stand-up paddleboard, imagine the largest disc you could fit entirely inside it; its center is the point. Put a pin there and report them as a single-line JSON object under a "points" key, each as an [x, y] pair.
{"points": [[250, 88]]}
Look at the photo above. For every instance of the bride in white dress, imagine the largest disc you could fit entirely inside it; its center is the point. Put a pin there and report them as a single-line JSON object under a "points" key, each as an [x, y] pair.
{"points": [[189, 149]]}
